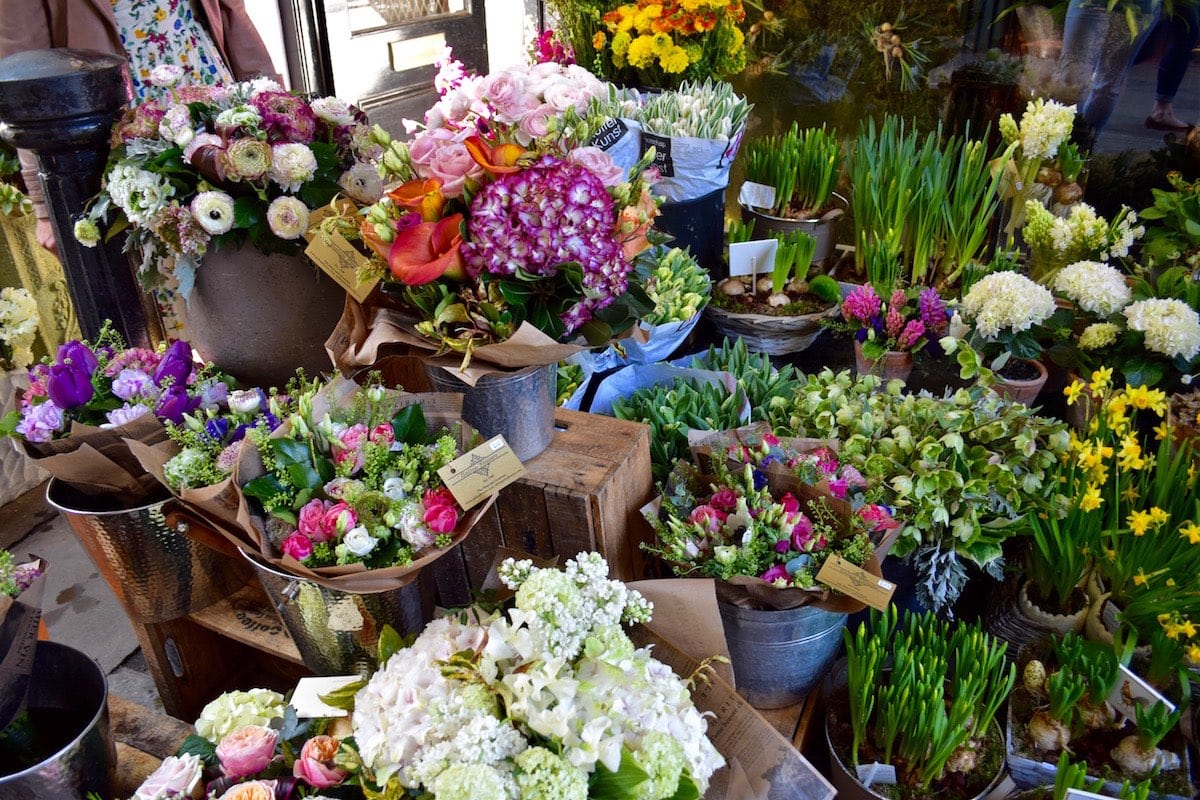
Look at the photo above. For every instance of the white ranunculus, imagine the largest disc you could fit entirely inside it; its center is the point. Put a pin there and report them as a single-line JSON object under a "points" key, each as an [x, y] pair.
{"points": [[359, 541], [288, 217]]}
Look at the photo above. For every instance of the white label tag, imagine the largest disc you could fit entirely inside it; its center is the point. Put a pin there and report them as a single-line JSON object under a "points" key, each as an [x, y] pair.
{"points": [[307, 697], [757, 195], [1080, 794], [753, 258], [1006, 788], [482, 472], [1131, 691], [876, 773]]}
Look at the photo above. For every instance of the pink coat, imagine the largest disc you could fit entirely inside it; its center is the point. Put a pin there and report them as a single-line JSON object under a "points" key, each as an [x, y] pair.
{"points": [[90, 25]]}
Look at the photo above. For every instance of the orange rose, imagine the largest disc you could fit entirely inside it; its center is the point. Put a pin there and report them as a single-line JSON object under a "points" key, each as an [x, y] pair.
{"points": [[634, 223], [251, 790], [428, 251]]}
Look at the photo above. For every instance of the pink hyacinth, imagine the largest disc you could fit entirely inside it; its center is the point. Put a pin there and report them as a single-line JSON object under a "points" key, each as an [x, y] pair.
{"points": [[861, 305], [911, 334]]}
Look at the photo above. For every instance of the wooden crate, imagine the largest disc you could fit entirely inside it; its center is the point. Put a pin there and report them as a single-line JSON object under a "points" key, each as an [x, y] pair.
{"points": [[583, 493]]}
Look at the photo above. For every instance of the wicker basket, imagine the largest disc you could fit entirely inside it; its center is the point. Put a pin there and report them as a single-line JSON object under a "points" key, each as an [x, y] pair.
{"points": [[774, 336]]}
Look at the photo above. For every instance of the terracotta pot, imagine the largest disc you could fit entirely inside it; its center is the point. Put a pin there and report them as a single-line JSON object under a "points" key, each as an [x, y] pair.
{"points": [[260, 317], [1059, 623], [1022, 391], [893, 365]]}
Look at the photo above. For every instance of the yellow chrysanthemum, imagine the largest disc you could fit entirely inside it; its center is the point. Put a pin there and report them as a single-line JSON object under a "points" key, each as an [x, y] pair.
{"points": [[642, 52], [620, 47]]}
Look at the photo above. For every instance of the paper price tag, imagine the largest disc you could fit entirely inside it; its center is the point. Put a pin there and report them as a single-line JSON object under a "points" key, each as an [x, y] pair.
{"points": [[307, 697], [752, 258], [1131, 691], [757, 195], [338, 259], [840, 574], [482, 472], [876, 774]]}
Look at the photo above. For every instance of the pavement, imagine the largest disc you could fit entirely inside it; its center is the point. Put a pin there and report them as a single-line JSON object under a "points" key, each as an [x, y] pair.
{"points": [[1126, 130]]}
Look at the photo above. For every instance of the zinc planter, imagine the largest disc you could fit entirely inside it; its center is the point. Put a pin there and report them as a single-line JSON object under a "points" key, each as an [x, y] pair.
{"points": [[820, 228], [519, 405], [778, 656]]}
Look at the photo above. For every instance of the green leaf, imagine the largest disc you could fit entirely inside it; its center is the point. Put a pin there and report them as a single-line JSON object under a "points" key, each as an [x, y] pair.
{"points": [[247, 212], [608, 785], [296, 458], [390, 643], [343, 697], [409, 425], [264, 488], [687, 789], [195, 745]]}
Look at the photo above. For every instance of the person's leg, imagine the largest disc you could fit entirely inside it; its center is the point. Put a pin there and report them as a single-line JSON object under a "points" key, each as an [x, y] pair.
{"points": [[1112, 67], [1184, 32]]}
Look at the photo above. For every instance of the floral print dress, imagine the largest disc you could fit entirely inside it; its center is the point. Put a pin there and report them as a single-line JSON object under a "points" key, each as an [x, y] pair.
{"points": [[158, 32]]}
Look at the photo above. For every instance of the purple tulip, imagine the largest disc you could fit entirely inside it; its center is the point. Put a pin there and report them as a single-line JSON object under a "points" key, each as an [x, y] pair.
{"points": [[174, 403], [176, 365], [69, 385], [78, 355]]}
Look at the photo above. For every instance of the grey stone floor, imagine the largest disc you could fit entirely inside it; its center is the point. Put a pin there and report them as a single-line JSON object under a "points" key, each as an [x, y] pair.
{"points": [[78, 607]]}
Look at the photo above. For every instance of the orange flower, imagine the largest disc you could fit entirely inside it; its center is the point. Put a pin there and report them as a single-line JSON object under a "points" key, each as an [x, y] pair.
{"points": [[633, 224], [427, 251], [598, 40], [371, 239], [424, 197], [496, 160]]}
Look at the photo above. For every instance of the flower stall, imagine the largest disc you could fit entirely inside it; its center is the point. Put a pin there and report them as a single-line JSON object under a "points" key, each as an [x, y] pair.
{"points": [[570, 476]]}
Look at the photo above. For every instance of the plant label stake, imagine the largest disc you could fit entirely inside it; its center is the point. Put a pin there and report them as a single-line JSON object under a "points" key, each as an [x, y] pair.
{"points": [[876, 773], [757, 195], [1080, 794], [1131, 691], [744, 257]]}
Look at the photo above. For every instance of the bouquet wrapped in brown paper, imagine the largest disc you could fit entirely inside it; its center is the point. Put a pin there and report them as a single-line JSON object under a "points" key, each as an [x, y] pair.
{"points": [[82, 407], [763, 515], [21, 587], [337, 483]]}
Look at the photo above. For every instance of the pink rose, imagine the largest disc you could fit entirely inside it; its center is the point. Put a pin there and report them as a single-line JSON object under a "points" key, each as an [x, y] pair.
{"points": [[315, 764], [776, 573], [440, 154], [563, 95], [536, 123], [247, 750], [707, 517], [837, 488], [299, 546], [438, 497], [251, 790], [599, 163], [879, 517], [310, 517], [802, 535], [348, 447], [505, 93], [383, 435], [724, 499], [177, 776], [336, 520], [441, 518]]}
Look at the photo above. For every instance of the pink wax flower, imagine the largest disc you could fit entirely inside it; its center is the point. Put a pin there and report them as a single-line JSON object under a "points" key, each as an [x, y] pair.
{"points": [[315, 765], [724, 499], [299, 546], [247, 750]]}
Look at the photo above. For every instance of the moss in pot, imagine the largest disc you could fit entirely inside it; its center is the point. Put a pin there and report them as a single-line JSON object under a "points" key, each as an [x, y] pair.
{"points": [[931, 716]]}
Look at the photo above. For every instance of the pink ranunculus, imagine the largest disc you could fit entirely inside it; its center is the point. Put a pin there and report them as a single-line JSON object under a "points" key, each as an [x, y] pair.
{"points": [[315, 764], [310, 517], [725, 499], [383, 435], [536, 123], [348, 447], [802, 535], [598, 163], [247, 751], [563, 95], [336, 520], [776, 573], [707, 517], [790, 504], [441, 518], [299, 546]]}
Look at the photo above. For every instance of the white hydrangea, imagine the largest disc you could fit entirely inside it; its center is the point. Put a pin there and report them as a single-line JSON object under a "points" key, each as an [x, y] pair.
{"points": [[234, 710], [1094, 286], [138, 193], [1045, 125], [18, 326], [1007, 301], [292, 165], [1172, 327]]}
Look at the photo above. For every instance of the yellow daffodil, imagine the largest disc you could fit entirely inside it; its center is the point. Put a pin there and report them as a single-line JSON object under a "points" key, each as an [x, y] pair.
{"points": [[1193, 652], [1130, 494], [1191, 531], [1158, 516], [1073, 391], [1161, 430], [1130, 455], [1141, 578], [1091, 499], [1139, 522], [1101, 380]]}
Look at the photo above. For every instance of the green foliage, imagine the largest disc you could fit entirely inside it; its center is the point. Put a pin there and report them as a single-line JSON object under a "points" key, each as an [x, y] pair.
{"points": [[765, 386], [802, 167]]}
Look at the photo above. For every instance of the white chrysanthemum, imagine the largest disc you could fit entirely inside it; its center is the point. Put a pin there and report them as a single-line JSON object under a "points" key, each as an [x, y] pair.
{"points": [[287, 217], [1172, 327], [213, 211], [362, 183], [1045, 125], [138, 193], [1007, 301], [332, 110], [18, 325], [1093, 286], [292, 165], [234, 710]]}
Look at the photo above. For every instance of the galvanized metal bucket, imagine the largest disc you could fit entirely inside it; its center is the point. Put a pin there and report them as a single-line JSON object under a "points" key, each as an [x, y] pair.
{"points": [[69, 691], [519, 405], [778, 656], [157, 571], [337, 633]]}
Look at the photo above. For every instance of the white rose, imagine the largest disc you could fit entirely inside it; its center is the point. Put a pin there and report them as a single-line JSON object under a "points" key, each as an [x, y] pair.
{"points": [[359, 541], [176, 777], [393, 489]]}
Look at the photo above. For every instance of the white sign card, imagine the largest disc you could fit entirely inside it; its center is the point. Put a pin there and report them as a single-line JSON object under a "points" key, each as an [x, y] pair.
{"points": [[752, 258], [757, 195]]}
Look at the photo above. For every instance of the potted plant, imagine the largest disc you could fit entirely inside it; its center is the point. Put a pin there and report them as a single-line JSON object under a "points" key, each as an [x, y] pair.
{"points": [[1073, 776], [803, 169], [781, 311], [1063, 705], [969, 444], [1009, 313], [216, 186], [931, 716], [1036, 173], [887, 335], [1081, 235], [762, 520]]}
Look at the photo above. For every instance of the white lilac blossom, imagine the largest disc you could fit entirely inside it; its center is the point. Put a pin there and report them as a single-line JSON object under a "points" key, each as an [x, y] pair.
{"points": [[1172, 327], [1094, 286], [213, 211], [418, 725], [1007, 301], [287, 217]]}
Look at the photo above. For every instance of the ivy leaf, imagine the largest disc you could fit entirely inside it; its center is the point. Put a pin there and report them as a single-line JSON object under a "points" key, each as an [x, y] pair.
{"points": [[264, 488]]}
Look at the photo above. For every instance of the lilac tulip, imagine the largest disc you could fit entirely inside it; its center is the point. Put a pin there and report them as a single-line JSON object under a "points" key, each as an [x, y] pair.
{"points": [[176, 365], [70, 385]]}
